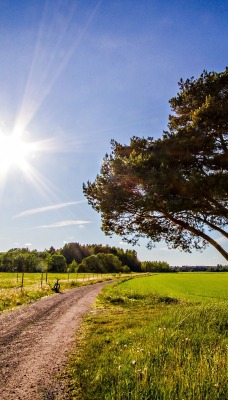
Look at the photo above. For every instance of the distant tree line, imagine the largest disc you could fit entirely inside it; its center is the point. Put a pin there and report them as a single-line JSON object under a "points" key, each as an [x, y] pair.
{"points": [[156, 266], [72, 257], [97, 258], [201, 268]]}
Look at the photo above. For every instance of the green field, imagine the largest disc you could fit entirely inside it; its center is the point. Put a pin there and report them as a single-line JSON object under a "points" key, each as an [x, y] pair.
{"points": [[162, 337], [197, 286], [33, 279], [35, 286]]}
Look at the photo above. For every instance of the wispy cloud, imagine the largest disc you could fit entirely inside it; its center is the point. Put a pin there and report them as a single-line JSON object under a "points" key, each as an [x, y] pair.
{"points": [[47, 208], [65, 223]]}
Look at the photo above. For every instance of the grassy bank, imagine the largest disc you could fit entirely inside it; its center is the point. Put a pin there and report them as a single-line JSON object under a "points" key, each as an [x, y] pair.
{"points": [[147, 340]]}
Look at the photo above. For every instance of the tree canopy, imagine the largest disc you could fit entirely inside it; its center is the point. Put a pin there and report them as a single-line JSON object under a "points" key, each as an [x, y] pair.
{"points": [[102, 262], [174, 188], [69, 258]]}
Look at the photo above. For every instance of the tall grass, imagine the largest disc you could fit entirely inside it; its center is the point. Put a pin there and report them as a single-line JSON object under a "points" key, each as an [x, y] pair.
{"points": [[153, 346], [35, 286]]}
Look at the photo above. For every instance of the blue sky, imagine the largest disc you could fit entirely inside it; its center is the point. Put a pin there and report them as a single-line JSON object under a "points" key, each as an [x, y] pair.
{"points": [[73, 76]]}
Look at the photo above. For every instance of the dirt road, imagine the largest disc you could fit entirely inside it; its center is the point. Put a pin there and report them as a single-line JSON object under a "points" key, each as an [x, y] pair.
{"points": [[35, 341]]}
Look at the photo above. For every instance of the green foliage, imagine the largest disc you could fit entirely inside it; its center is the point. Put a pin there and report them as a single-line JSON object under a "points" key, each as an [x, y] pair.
{"points": [[101, 263], [144, 346], [74, 252], [73, 267], [156, 266], [57, 263], [128, 257], [220, 268], [19, 260], [175, 188], [66, 259], [78, 253]]}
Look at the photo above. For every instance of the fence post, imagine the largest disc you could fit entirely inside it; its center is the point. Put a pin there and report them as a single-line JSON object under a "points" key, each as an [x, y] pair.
{"points": [[41, 280], [22, 281]]}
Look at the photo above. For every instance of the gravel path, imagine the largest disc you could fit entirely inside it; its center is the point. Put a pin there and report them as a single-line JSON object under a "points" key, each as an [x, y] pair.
{"points": [[35, 341]]}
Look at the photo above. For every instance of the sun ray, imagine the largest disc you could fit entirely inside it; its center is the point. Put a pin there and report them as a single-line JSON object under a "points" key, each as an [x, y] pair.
{"points": [[56, 29], [43, 186], [46, 66]]}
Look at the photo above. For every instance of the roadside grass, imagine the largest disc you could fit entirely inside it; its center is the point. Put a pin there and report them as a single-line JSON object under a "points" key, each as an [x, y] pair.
{"points": [[12, 294], [146, 345]]}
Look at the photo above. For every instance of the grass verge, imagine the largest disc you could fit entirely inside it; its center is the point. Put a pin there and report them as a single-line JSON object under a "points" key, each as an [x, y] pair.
{"points": [[151, 347]]}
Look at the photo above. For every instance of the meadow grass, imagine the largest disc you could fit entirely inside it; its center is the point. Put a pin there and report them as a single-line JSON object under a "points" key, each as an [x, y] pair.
{"points": [[140, 343], [12, 294], [203, 287]]}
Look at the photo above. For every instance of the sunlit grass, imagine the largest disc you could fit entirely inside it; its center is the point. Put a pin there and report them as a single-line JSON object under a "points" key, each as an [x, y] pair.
{"points": [[149, 345], [35, 286], [195, 286]]}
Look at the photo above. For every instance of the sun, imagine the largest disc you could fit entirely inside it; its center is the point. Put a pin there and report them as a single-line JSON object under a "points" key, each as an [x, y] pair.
{"points": [[18, 155], [22, 157], [14, 152]]}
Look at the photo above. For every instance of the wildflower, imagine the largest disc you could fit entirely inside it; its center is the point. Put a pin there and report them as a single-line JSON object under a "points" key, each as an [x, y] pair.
{"points": [[133, 362]]}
